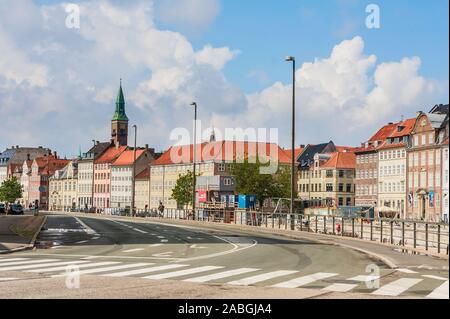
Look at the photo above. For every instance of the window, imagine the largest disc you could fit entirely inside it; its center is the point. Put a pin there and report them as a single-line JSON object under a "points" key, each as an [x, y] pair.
{"points": [[430, 138], [221, 167], [424, 139], [348, 201], [329, 187], [416, 140], [341, 201], [341, 187], [329, 173], [349, 188], [341, 173]]}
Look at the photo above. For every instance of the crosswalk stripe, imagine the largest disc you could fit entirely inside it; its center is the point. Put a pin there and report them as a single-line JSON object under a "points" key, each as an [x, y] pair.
{"points": [[132, 250], [364, 278], [183, 272], [435, 277], [406, 270], [7, 279], [263, 277], [104, 263], [106, 269], [221, 275], [12, 259], [440, 292], [144, 270], [396, 287], [301, 281], [18, 263], [340, 287], [23, 267]]}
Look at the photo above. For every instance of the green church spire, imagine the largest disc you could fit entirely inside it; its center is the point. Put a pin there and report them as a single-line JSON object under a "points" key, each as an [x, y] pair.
{"points": [[119, 114]]}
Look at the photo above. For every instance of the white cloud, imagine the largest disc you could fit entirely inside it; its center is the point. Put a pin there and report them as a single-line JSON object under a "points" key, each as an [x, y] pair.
{"points": [[217, 57], [191, 14]]}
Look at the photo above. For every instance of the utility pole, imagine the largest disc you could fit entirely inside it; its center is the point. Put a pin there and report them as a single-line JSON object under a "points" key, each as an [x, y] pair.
{"points": [[93, 162], [133, 178], [194, 104]]}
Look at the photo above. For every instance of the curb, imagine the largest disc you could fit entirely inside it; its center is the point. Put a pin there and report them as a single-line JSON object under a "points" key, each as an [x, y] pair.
{"points": [[28, 246]]}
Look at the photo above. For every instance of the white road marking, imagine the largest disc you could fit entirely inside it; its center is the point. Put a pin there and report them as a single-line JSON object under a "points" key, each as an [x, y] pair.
{"points": [[12, 259], [183, 272], [56, 247], [396, 287], [302, 281], [88, 229], [262, 277], [340, 287], [435, 277], [164, 240], [106, 269], [8, 279], [364, 278], [132, 250], [42, 265], [406, 271], [161, 237], [140, 231], [79, 266], [221, 275], [440, 292], [156, 245], [163, 254], [144, 270], [82, 242], [17, 263], [197, 247], [95, 238]]}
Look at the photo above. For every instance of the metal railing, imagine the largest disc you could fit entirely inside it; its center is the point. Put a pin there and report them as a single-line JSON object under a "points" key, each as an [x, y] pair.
{"points": [[428, 236]]}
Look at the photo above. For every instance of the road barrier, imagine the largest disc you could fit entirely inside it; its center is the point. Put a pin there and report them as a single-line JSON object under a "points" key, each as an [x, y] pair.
{"points": [[402, 233]]}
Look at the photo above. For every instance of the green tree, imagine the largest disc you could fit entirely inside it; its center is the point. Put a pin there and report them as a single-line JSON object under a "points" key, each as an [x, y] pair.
{"points": [[10, 190], [250, 181], [182, 192]]}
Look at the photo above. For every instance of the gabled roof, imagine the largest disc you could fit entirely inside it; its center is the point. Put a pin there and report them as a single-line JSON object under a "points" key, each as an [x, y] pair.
{"points": [[144, 175], [97, 150], [341, 160], [297, 152], [126, 158], [222, 151], [403, 128], [110, 155], [307, 156], [48, 165]]}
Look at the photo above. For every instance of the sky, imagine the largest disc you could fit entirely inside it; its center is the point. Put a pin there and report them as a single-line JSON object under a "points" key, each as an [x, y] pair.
{"points": [[58, 85]]}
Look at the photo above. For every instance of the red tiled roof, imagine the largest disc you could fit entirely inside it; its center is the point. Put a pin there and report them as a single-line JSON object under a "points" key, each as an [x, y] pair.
{"points": [[445, 142], [345, 148], [126, 158], [385, 146], [408, 127], [110, 155], [383, 133], [222, 151], [50, 164], [298, 151], [144, 175], [341, 160]]}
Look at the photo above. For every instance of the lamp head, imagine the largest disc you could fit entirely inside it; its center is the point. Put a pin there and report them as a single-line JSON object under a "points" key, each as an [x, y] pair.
{"points": [[290, 58], [194, 104]]}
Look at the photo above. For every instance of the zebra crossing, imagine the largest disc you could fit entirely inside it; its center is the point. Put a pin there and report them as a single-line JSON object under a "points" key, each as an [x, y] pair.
{"points": [[245, 276]]}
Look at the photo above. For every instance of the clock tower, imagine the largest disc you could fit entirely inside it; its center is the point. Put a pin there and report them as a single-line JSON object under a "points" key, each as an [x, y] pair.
{"points": [[119, 122]]}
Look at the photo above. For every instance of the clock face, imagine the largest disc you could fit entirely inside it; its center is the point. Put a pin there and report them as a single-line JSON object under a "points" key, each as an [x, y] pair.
{"points": [[423, 123]]}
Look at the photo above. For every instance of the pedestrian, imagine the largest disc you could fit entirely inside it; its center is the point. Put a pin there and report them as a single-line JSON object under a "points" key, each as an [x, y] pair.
{"points": [[338, 228], [161, 209]]}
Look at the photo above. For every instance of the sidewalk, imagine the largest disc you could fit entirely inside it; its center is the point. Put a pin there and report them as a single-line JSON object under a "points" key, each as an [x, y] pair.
{"points": [[19, 232]]}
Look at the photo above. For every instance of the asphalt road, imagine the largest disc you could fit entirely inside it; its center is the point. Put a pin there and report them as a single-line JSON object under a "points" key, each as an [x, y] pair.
{"points": [[117, 252]]}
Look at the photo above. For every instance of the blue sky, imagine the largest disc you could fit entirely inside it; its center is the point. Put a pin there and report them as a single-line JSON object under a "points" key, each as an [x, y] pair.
{"points": [[226, 54]]}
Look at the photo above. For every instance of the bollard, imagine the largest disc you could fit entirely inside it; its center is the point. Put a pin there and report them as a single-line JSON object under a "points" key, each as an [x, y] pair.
{"points": [[403, 233], [309, 221], [414, 235], [353, 227], [324, 224], [285, 225], [371, 229], [342, 227], [273, 222], [426, 236], [334, 225], [392, 232], [317, 217], [381, 230], [362, 229], [301, 223], [267, 217], [439, 239]]}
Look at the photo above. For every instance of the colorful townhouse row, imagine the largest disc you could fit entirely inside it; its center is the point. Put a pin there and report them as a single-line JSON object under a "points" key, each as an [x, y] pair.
{"points": [[402, 168]]}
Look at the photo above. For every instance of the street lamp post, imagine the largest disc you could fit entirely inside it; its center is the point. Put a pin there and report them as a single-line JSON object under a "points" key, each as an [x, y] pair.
{"points": [[194, 104], [133, 179], [93, 163], [292, 59]]}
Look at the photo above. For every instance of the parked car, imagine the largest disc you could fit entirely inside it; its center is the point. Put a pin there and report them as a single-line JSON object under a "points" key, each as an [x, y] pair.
{"points": [[2, 209], [15, 209]]}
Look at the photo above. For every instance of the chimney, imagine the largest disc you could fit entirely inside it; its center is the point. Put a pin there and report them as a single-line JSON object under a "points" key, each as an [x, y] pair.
{"points": [[97, 142], [40, 147], [55, 154], [17, 146], [302, 145]]}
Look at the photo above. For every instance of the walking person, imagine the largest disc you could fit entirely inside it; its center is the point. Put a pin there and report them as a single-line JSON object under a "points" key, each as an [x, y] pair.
{"points": [[161, 209]]}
